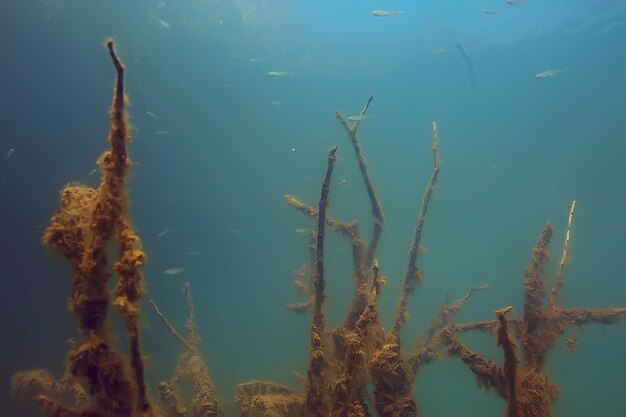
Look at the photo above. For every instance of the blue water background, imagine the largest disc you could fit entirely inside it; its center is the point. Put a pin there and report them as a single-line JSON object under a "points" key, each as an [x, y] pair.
{"points": [[515, 152]]}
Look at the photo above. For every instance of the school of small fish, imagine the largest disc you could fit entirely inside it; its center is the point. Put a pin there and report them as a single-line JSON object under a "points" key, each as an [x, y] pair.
{"points": [[357, 118]]}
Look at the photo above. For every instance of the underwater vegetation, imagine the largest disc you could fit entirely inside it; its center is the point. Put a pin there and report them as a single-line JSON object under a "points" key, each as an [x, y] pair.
{"points": [[101, 381], [81, 231], [190, 365]]}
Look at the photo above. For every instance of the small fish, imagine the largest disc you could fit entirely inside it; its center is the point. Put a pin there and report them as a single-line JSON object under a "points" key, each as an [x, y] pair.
{"points": [[163, 232], [279, 73], [548, 74], [359, 117], [152, 114], [341, 182], [514, 2], [174, 271], [276, 103], [162, 23], [496, 167], [256, 59], [93, 171], [303, 230], [162, 132], [385, 13], [493, 10], [9, 154], [440, 51]]}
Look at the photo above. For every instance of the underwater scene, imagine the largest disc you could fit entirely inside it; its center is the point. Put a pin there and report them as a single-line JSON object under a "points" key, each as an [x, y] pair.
{"points": [[290, 208]]}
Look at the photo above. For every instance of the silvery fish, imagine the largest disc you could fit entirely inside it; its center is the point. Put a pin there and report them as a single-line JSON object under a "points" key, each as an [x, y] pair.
{"points": [[359, 117], [163, 232], [492, 11], [548, 74], [161, 22], [152, 114], [385, 13], [514, 2], [174, 271], [303, 230], [279, 73]]}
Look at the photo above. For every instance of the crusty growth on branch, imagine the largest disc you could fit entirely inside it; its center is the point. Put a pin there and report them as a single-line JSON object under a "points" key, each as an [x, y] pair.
{"points": [[28, 384], [377, 211], [317, 387], [362, 262], [349, 231], [524, 385], [190, 366], [300, 285], [392, 375], [81, 231], [360, 344], [510, 360], [559, 279], [348, 389], [268, 399], [427, 348], [413, 275]]}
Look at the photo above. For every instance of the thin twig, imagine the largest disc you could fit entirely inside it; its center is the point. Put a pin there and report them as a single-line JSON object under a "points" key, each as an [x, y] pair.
{"points": [[170, 328]]}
